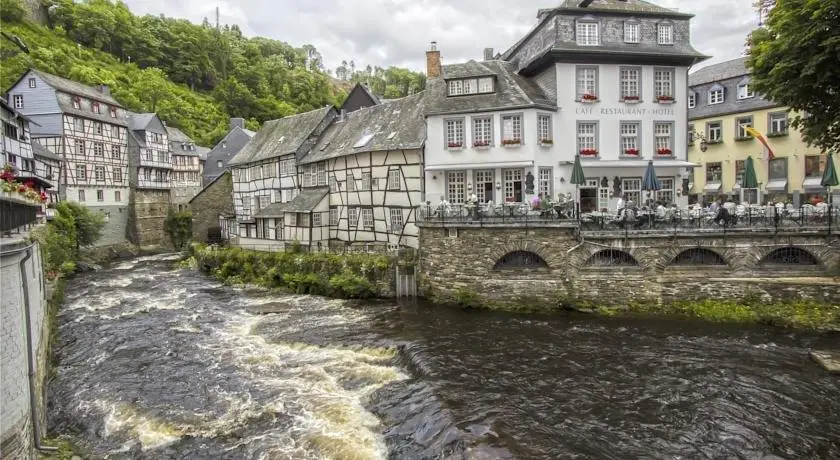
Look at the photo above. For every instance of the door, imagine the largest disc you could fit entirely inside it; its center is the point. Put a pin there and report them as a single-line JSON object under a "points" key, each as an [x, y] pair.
{"points": [[588, 200]]}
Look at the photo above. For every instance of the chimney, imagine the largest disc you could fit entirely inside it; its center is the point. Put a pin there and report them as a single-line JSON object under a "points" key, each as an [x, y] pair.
{"points": [[164, 123], [488, 54], [237, 122], [342, 115], [433, 61], [104, 89]]}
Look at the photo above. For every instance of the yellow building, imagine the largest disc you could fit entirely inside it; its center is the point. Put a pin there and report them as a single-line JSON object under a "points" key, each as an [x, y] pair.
{"points": [[721, 103]]}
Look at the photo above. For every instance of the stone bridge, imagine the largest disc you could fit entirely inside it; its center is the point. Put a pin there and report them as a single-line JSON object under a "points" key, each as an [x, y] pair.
{"points": [[550, 264]]}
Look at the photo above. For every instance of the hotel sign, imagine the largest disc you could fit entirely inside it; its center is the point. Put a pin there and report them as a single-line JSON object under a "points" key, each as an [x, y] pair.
{"points": [[624, 111]]}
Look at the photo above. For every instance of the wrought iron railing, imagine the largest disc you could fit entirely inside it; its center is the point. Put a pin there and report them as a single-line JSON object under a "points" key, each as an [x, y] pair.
{"points": [[16, 215], [498, 213]]}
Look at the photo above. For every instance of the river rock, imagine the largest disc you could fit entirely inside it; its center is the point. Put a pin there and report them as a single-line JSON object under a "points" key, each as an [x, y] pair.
{"points": [[830, 361]]}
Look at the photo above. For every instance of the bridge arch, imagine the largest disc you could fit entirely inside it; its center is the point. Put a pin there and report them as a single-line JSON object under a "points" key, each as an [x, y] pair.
{"points": [[789, 256], [519, 260], [611, 258], [697, 257]]}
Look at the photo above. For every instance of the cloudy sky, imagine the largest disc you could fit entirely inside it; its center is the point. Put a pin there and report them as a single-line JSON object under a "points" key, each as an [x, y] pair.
{"points": [[397, 32]]}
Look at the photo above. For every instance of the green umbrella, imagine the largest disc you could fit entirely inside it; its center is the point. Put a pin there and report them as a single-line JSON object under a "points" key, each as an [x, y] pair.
{"points": [[749, 180], [577, 173], [829, 178]]}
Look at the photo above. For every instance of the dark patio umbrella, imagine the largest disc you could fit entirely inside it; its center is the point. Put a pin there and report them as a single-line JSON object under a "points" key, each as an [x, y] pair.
{"points": [[829, 178], [578, 178], [650, 182], [750, 180]]}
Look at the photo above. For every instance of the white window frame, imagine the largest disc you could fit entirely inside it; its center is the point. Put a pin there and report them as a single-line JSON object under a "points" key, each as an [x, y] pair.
{"points": [[630, 133], [480, 179], [692, 99], [351, 182], [587, 138], [586, 81], [367, 217], [99, 173], [100, 195], [715, 127], [511, 177], [665, 34], [630, 82], [485, 85], [17, 100], [482, 131], [632, 32], [365, 180], [512, 128], [632, 187], [352, 217], [81, 173], [32, 83], [394, 179], [777, 122], [454, 133], [455, 87], [456, 187], [716, 96], [117, 173], [663, 136], [333, 216], [741, 123], [98, 149], [544, 128], [668, 191], [317, 219], [587, 33], [396, 219], [545, 177], [745, 91], [81, 196], [663, 82]]}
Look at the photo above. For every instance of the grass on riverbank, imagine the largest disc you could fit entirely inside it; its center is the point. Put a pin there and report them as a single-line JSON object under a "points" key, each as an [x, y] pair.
{"points": [[352, 275]]}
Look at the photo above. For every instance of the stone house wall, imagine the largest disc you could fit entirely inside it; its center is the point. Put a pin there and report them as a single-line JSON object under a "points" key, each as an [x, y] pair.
{"points": [[216, 198], [148, 210]]}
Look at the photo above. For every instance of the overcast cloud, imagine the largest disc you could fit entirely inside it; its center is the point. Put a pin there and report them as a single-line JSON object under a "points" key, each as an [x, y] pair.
{"points": [[397, 32]]}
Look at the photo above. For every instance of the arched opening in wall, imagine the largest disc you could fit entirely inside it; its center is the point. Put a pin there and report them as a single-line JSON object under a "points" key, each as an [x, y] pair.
{"points": [[790, 255], [698, 256], [520, 260], [611, 258]]}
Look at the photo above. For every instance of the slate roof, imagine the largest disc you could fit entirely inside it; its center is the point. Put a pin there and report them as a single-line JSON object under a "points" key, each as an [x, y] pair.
{"points": [[617, 6], [512, 90], [304, 202], [139, 121], [41, 151], [202, 152], [224, 150], [280, 137], [65, 103], [75, 88], [717, 72], [176, 135], [403, 117]]}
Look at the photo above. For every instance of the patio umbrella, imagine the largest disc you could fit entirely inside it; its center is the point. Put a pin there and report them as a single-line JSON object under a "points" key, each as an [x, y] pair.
{"points": [[650, 182], [829, 179], [750, 180], [578, 178]]}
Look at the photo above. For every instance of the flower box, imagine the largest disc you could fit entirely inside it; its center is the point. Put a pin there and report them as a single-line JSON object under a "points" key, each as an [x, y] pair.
{"points": [[511, 142], [455, 145], [665, 99], [777, 134], [714, 141], [546, 142], [631, 99], [589, 152], [743, 138], [664, 151], [481, 144], [632, 152], [588, 98]]}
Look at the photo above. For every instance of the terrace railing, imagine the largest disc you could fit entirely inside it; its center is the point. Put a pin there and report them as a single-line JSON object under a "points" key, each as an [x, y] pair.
{"points": [[16, 215]]}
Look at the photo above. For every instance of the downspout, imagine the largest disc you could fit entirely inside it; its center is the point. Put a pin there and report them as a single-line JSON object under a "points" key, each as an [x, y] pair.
{"points": [[30, 359]]}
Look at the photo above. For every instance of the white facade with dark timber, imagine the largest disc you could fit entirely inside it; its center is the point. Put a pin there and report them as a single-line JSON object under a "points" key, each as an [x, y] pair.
{"points": [[187, 168], [86, 128]]}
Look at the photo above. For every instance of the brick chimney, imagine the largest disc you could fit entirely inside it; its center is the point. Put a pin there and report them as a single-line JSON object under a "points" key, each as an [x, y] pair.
{"points": [[237, 122], [488, 54], [104, 89], [433, 61]]}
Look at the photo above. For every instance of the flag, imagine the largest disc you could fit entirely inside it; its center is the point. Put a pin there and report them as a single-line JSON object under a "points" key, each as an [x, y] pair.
{"points": [[754, 133]]}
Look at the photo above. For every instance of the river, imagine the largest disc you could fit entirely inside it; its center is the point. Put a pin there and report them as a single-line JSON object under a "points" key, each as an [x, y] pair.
{"points": [[161, 363]]}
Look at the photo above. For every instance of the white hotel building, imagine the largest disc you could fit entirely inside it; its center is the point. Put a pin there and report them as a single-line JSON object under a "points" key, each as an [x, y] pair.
{"points": [[606, 79]]}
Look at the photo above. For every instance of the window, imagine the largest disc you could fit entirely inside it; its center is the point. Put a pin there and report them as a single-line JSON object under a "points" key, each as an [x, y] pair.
{"points": [[113, 112], [332, 181], [741, 125], [98, 149], [587, 33], [117, 175], [666, 193], [456, 87], [365, 181], [665, 34], [316, 219], [454, 134], [745, 90], [77, 103], [546, 181], [484, 185], [351, 183], [219, 164], [18, 101], [32, 83], [740, 166], [716, 95], [485, 85], [394, 178], [147, 174], [94, 106], [778, 169], [812, 166], [148, 154], [117, 196], [100, 195], [632, 187], [663, 133], [455, 186], [587, 83], [81, 196], [714, 133], [269, 170], [663, 82], [513, 184], [333, 216], [293, 219], [692, 99], [367, 217], [586, 137], [714, 172], [778, 123], [544, 129], [97, 126], [99, 173], [470, 86], [396, 220], [287, 167], [630, 138], [352, 217], [631, 32], [511, 129], [81, 173], [630, 82], [482, 130], [78, 125], [10, 130], [115, 151]]}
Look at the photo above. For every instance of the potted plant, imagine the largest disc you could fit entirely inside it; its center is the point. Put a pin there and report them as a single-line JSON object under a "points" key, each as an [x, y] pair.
{"points": [[586, 97], [632, 152], [481, 144], [663, 151], [455, 145], [664, 99], [589, 152], [511, 142], [631, 99]]}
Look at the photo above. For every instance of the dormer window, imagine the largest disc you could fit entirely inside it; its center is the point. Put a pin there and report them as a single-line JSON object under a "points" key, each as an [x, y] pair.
{"points": [[95, 107], [77, 102], [692, 99], [745, 90], [113, 112], [464, 86], [632, 32], [665, 34], [586, 32], [716, 95]]}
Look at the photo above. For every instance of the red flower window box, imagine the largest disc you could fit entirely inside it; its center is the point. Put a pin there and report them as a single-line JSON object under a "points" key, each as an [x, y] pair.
{"points": [[481, 144], [631, 98], [588, 97], [663, 151], [589, 152], [632, 152], [455, 145], [663, 98]]}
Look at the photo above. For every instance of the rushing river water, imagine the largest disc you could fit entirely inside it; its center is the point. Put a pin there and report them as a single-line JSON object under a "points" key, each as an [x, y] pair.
{"points": [[160, 363]]}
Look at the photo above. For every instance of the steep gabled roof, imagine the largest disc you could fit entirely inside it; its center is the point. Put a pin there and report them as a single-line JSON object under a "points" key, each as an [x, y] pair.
{"points": [[40, 151], [75, 88], [139, 121], [305, 201], [215, 179], [281, 137], [176, 135], [395, 125], [718, 72], [637, 7]]}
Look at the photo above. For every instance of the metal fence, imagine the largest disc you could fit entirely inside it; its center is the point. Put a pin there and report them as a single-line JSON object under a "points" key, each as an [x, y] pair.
{"points": [[16, 217]]}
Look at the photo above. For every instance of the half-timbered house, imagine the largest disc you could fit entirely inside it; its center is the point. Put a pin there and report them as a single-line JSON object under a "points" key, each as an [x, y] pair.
{"points": [[264, 172], [86, 128], [150, 167], [187, 168]]}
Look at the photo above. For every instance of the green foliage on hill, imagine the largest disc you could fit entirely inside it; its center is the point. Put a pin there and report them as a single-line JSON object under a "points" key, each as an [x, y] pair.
{"points": [[391, 83], [194, 76]]}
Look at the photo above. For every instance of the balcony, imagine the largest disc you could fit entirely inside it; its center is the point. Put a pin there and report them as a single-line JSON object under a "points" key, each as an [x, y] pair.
{"points": [[17, 214]]}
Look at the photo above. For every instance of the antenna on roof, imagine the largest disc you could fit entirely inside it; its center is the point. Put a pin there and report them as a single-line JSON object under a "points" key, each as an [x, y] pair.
{"points": [[217, 17]]}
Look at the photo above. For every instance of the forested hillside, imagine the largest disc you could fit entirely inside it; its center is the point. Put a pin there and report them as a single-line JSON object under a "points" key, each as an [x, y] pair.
{"points": [[194, 76]]}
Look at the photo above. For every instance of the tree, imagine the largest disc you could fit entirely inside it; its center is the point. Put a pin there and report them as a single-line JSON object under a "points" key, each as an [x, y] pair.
{"points": [[89, 225], [178, 226], [795, 61], [151, 87], [12, 10]]}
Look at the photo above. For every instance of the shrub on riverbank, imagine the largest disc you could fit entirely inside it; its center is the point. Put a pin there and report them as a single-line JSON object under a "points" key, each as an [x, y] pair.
{"points": [[803, 314], [354, 275], [74, 226]]}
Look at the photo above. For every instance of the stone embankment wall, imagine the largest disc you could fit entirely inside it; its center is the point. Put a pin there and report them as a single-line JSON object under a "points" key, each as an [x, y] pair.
{"points": [[16, 423], [457, 263], [147, 217]]}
